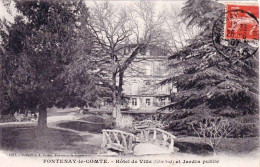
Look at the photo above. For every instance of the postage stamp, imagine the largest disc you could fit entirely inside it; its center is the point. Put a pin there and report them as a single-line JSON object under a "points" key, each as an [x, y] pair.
{"points": [[235, 33], [242, 22]]}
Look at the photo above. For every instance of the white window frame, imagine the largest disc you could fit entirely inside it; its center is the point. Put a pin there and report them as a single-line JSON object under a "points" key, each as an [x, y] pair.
{"points": [[134, 101], [163, 101], [148, 102]]}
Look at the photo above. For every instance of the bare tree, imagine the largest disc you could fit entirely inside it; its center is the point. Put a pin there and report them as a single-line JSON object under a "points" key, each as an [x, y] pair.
{"points": [[213, 130], [177, 32], [116, 29]]}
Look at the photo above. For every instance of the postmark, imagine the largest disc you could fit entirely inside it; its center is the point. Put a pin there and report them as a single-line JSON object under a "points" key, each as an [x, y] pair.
{"points": [[235, 32], [242, 22]]}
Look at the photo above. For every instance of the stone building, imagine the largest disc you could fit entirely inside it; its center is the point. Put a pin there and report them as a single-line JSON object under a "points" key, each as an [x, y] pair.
{"points": [[141, 88]]}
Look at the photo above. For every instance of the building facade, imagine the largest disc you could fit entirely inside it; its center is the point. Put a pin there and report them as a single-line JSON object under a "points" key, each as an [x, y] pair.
{"points": [[142, 89]]}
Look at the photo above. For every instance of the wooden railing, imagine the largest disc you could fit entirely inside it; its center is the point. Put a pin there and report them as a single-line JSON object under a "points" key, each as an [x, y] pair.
{"points": [[117, 140], [156, 136], [147, 124]]}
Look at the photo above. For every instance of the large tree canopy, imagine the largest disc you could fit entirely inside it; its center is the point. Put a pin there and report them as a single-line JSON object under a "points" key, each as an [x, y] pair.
{"points": [[209, 84], [38, 48]]}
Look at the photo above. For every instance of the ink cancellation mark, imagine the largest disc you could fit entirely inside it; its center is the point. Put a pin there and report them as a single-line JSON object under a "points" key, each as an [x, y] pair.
{"points": [[242, 22], [235, 33]]}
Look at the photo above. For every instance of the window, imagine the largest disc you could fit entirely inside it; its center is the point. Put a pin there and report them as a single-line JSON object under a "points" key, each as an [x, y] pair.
{"points": [[159, 68], [162, 101], [134, 101], [147, 69], [147, 82], [148, 102]]}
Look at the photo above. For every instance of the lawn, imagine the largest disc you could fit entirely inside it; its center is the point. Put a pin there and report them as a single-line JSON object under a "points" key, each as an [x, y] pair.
{"points": [[238, 146], [82, 126], [93, 118], [30, 139]]}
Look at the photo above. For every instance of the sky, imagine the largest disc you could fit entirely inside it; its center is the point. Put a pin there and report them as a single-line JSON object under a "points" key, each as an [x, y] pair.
{"points": [[160, 5], [4, 13]]}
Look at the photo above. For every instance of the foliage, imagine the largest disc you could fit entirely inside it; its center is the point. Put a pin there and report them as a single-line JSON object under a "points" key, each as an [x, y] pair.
{"points": [[7, 118], [208, 84], [83, 86], [93, 119], [40, 50], [108, 120], [212, 130]]}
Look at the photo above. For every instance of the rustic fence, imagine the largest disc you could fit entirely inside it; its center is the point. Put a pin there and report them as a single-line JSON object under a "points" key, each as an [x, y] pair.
{"points": [[117, 140], [148, 131], [147, 124], [156, 136]]}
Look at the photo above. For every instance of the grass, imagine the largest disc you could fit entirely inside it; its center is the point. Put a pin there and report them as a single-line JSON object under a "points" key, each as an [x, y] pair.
{"points": [[239, 145], [30, 139], [236, 146], [93, 118], [82, 126]]}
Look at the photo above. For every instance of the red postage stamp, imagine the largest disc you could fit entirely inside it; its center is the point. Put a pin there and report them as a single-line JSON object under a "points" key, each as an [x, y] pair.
{"points": [[242, 22]]}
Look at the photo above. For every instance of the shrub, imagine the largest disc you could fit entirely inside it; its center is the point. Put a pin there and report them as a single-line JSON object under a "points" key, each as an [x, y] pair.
{"points": [[84, 111], [7, 118], [179, 120], [94, 119], [213, 130], [108, 120]]}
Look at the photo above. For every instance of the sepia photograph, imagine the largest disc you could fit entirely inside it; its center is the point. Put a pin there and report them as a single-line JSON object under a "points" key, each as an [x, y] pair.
{"points": [[129, 83]]}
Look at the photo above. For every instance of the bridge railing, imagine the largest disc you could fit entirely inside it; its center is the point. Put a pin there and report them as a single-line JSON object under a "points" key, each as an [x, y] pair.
{"points": [[147, 124], [117, 140], [157, 136]]}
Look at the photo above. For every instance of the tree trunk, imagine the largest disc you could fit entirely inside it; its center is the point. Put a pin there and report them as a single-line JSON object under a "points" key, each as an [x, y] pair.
{"points": [[117, 100], [120, 86], [119, 117], [114, 95], [42, 120], [214, 152]]}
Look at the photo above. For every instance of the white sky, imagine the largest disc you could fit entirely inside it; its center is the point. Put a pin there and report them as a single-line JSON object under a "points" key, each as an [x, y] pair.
{"points": [[159, 6], [4, 13], [159, 3]]}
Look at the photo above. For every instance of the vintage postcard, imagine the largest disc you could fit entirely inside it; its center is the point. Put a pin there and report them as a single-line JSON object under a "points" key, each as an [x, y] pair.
{"points": [[129, 83]]}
